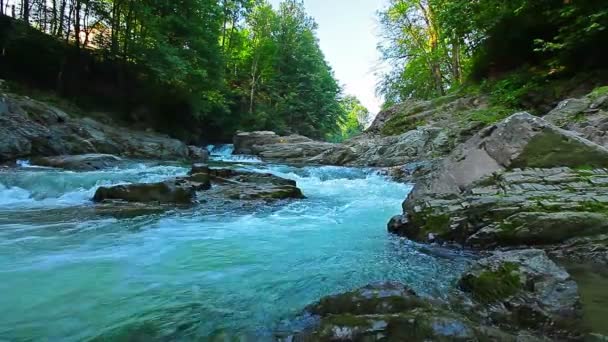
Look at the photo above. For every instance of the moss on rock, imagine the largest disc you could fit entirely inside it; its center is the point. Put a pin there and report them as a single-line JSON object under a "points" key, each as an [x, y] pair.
{"points": [[551, 149], [493, 285]]}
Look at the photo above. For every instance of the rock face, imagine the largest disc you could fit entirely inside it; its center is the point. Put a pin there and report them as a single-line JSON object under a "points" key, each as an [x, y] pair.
{"points": [[510, 296], [83, 162], [421, 143], [520, 141], [587, 116], [31, 128], [218, 184], [524, 288], [480, 198], [418, 144], [246, 142]]}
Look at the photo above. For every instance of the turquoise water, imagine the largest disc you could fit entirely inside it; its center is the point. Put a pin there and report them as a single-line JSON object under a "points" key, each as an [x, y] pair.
{"points": [[69, 273]]}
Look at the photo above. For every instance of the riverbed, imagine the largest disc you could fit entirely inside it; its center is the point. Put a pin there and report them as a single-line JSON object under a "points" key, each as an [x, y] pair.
{"points": [[72, 273]]}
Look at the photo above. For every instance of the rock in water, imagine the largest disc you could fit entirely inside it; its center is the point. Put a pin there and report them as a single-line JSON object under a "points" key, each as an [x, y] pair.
{"points": [[393, 312], [83, 162], [525, 289], [254, 142], [197, 154], [165, 192], [480, 198]]}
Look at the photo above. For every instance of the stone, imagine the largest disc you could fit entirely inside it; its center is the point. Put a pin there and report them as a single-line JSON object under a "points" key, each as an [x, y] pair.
{"points": [[393, 312], [198, 154], [83, 162], [520, 141], [30, 128], [164, 192], [244, 142], [525, 289]]}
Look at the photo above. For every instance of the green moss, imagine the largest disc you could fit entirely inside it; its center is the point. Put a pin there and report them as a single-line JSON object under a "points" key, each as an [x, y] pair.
{"points": [[431, 222], [598, 92], [493, 285], [400, 124], [549, 149], [489, 115]]}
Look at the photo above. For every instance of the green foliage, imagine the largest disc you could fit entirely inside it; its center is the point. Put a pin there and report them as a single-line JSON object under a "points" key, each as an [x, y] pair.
{"points": [[489, 115], [434, 45], [353, 122], [198, 69]]}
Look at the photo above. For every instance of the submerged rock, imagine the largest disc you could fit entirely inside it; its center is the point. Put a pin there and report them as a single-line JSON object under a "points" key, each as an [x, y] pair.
{"points": [[83, 162]]}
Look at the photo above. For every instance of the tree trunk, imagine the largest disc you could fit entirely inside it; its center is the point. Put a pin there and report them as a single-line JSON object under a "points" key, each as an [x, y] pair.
{"points": [[25, 11], [254, 70], [60, 18]]}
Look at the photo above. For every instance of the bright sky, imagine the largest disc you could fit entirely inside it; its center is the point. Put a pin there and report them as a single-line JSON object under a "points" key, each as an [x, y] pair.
{"points": [[348, 37]]}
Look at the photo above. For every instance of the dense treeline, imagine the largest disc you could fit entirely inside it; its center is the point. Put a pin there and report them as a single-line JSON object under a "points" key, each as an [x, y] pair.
{"points": [[437, 45], [192, 68]]}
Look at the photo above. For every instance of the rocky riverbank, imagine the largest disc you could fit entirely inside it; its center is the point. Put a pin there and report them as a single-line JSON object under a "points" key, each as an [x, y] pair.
{"points": [[30, 128], [524, 193]]}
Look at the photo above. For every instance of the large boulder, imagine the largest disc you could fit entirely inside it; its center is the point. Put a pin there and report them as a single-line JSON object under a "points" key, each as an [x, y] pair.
{"points": [[246, 142], [479, 197], [587, 116], [520, 141], [506, 296], [82, 162], [206, 184], [525, 289], [393, 312], [30, 128], [422, 143], [164, 192]]}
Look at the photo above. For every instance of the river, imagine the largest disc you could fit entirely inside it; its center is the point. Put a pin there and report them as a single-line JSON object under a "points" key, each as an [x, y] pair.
{"points": [[71, 273]]}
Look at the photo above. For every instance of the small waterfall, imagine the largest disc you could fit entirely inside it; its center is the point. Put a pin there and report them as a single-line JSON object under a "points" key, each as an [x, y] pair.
{"points": [[223, 152]]}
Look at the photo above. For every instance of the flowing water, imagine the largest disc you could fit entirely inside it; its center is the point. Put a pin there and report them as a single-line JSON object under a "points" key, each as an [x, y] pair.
{"points": [[69, 273]]}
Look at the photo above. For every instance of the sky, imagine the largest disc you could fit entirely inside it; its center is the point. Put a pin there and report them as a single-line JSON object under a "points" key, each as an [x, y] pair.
{"points": [[348, 35]]}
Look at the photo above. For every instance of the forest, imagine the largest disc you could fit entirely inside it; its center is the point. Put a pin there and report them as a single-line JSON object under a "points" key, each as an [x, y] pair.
{"points": [[206, 68], [190, 68], [513, 50]]}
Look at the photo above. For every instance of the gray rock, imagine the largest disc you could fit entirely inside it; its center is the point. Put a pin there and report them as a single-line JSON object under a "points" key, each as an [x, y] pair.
{"points": [[83, 162], [519, 141], [164, 192], [197, 154], [245, 142], [32, 128], [524, 288]]}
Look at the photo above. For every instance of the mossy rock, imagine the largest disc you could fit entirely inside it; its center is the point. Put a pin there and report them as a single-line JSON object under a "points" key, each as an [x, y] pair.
{"points": [[550, 148], [493, 285], [373, 299], [164, 192]]}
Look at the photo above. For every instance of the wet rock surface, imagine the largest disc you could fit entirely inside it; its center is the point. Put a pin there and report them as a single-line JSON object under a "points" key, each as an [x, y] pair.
{"points": [[83, 162], [202, 184], [508, 296]]}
